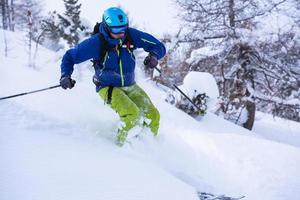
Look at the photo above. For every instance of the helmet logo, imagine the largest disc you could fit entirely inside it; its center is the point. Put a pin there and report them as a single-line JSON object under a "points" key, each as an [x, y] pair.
{"points": [[121, 18]]}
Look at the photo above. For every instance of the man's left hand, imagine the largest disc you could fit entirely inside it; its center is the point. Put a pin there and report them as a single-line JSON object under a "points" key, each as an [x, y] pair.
{"points": [[150, 61]]}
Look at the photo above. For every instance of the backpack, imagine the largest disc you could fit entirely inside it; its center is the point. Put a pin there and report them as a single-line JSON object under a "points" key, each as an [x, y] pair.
{"points": [[128, 43]]}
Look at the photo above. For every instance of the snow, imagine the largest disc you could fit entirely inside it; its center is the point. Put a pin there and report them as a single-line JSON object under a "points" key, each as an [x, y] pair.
{"points": [[44, 165], [206, 83], [58, 144], [202, 53], [195, 83], [277, 129]]}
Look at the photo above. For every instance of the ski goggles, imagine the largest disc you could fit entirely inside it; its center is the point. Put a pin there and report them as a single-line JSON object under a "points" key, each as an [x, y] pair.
{"points": [[118, 30]]}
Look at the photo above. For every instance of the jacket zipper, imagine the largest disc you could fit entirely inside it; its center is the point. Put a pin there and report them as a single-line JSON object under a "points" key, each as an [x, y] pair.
{"points": [[121, 67]]}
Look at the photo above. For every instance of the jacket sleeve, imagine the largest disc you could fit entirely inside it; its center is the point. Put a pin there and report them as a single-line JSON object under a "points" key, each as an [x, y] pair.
{"points": [[148, 43], [87, 49]]}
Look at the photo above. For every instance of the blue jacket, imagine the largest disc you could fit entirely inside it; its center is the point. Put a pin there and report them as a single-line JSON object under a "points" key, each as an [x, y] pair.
{"points": [[118, 65]]}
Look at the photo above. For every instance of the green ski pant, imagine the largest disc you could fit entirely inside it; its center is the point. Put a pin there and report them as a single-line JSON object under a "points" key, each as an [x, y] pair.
{"points": [[131, 103]]}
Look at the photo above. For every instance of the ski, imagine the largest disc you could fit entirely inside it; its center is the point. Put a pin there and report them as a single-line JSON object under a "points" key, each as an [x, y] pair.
{"points": [[209, 196]]}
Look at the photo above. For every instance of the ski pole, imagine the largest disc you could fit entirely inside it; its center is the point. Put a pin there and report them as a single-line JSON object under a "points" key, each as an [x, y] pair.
{"points": [[26, 93], [181, 92]]}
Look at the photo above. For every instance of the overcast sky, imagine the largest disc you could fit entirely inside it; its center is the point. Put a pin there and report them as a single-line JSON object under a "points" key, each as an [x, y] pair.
{"points": [[154, 16]]}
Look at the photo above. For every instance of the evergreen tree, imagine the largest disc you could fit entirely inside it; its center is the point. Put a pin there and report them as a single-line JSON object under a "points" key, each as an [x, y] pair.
{"points": [[70, 27]]}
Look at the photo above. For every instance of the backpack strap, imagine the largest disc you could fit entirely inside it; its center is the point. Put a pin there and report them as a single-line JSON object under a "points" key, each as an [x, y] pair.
{"points": [[103, 50], [96, 29], [104, 47], [109, 94]]}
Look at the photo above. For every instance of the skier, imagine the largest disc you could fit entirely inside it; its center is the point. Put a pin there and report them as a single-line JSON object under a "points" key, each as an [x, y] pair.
{"points": [[111, 49]]}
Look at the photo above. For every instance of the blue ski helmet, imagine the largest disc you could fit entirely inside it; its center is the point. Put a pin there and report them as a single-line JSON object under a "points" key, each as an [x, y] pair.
{"points": [[115, 20]]}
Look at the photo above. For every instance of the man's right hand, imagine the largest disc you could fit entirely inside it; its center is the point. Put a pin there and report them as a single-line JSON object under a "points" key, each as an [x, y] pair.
{"points": [[67, 82]]}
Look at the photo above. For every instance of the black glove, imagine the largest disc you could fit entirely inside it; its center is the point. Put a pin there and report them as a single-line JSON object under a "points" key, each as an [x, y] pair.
{"points": [[67, 82], [150, 61]]}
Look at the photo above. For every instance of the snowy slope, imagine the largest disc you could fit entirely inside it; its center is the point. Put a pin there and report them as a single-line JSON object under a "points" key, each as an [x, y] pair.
{"points": [[58, 145], [277, 129]]}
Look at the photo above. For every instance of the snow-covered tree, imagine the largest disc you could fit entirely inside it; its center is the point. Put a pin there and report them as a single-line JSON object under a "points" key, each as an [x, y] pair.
{"points": [[225, 39], [50, 27], [67, 28], [70, 27], [22, 7]]}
